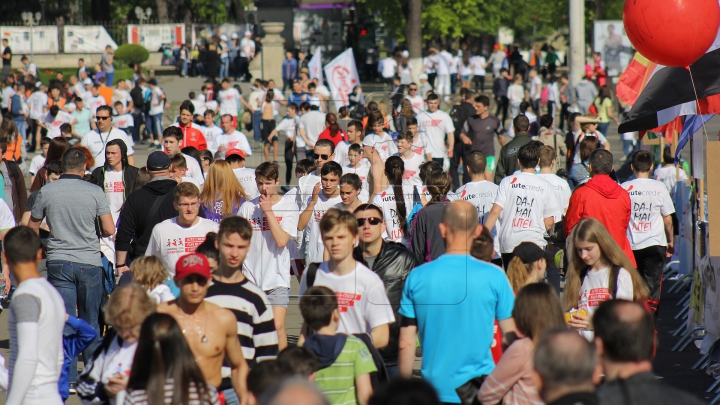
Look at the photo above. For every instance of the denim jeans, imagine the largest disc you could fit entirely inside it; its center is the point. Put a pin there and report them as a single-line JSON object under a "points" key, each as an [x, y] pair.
{"points": [[81, 287], [21, 125], [224, 68], [110, 78], [155, 125], [185, 68], [256, 121]]}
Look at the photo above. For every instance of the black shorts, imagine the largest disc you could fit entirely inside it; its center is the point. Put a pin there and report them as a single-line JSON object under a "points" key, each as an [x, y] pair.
{"points": [[266, 128]]}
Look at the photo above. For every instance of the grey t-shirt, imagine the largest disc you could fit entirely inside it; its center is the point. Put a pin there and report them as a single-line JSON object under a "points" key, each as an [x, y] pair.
{"points": [[482, 132], [370, 260], [106, 64], [71, 206]]}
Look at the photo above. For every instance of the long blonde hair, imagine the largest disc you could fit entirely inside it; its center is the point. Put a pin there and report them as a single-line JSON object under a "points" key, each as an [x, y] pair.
{"points": [[593, 231], [518, 273], [221, 184]]}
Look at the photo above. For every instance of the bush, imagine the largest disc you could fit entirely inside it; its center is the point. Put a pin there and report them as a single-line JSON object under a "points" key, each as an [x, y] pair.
{"points": [[132, 54]]}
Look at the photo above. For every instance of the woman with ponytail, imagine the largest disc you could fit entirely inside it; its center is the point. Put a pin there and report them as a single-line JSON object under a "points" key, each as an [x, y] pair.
{"points": [[426, 241], [164, 369], [528, 265], [332, 131], [396, 201]]}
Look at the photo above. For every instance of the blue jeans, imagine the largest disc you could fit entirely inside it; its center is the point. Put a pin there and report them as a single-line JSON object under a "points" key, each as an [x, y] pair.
{"points": [[603, 127], [224, 67], [110, 78], [154, 125], [21, 125], [80, 285], [256, 120], [184, 68]]}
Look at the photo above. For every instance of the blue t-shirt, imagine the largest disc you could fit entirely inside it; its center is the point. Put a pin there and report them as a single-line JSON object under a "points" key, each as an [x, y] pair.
{"points": [[455, 300], [83, 117]]}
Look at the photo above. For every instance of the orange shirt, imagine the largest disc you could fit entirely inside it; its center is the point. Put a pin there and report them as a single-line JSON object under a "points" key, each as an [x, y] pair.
{"points": [[107, 93]]}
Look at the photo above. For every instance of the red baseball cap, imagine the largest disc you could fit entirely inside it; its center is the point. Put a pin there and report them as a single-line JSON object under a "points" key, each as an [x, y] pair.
{"points": [[235, 151], [192, 263]]}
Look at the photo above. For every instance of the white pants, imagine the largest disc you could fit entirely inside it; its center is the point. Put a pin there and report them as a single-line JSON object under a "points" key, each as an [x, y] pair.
{"points": [[443, 86]]}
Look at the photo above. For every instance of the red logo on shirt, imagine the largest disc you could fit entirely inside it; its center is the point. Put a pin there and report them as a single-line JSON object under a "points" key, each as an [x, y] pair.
{"points": [[630, 188], [463, 193], [346, 300], [513, 180], [383, 194], [408, 174]]}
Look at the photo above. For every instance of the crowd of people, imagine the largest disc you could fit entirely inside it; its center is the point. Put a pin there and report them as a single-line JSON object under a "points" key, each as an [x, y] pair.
{"points": [[409, 236]]}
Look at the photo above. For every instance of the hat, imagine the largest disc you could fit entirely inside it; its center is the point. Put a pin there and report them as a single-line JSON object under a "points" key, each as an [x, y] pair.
{"points": [[158, 161], [192, 263], [234, 35], [371, 140], [223, 37], [248, 33], [87, 81], [234, 151], [405, 54], [422, 76], [529, 252], [153, 81]]}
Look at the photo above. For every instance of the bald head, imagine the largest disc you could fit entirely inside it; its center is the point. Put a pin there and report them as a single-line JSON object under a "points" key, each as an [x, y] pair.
{"points": [[295, 391], [460, 217], [564, 360], [626, 331]]}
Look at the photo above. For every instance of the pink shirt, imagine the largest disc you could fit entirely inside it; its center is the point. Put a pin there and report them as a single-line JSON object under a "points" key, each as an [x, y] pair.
{"points": [[511, 380]]}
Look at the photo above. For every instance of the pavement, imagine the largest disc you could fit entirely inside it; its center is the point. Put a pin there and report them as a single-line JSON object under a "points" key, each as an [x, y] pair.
{"points": [[673, 367]]}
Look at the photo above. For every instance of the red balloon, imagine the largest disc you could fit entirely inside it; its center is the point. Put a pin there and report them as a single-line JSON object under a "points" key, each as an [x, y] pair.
{"points": [[671, 32]]}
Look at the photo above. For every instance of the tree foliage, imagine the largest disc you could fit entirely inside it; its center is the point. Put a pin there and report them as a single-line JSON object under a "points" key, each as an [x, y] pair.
{"points": [[132, 54]]}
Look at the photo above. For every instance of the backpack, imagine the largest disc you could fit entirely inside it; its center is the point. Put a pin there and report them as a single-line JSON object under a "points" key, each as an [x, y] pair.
{"points": [[16, 109], [593, 109], [545, 95]]}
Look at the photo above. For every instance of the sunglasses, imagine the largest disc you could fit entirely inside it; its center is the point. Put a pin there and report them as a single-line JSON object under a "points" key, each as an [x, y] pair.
{"points": [[102, 118], [323, 157], [413, 89], [372, 220]]}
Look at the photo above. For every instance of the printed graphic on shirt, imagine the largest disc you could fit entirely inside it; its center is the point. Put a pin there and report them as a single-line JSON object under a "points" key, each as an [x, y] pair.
{"points": [[261, 224], [114, 187], [346, 300], [183, 245]]}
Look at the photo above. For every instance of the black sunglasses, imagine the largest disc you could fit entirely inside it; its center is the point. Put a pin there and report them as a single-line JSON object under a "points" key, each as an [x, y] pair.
{"points": [[413, 89], [323, 157], [372, 220], [102, 118]]}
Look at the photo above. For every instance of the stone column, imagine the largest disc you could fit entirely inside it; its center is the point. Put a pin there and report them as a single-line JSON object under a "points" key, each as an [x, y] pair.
{"points": [[273, 52]]}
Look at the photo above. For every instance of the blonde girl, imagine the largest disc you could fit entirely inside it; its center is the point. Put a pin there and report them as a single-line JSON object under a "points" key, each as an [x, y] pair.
{"points": [[528, 265], [149, 272], [222, 194]]}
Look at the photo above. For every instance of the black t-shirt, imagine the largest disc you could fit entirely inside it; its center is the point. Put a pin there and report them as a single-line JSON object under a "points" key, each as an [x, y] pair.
{"points": [[482, 131], [7, 51]]}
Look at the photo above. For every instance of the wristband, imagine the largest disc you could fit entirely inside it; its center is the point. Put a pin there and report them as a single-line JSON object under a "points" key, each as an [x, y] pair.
{"points": [[121, 265]]}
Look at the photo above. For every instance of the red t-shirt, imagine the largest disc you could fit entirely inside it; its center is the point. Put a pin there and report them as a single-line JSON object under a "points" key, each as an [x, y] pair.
{"points": [[339, 136]]}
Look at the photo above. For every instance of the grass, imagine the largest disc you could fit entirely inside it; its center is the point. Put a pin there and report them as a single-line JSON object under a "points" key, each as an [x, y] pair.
{"points": [[47, 74]]}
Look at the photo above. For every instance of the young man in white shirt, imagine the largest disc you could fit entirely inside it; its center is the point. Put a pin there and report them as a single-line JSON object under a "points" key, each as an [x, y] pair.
{"points": [[535, 90], [246, 176], [525, 204], [669, 175], [54, 119], [231, 101], [290, 125], [325, 195], [361, 167], [411, 159], [211, 131], [420, 141], [124, 121], [418, 103], [364, 305], [231, 139], [176, 237], [173, 142], [95, 100], [179, 171], [387, 146], [312, 123], [437, 126], [651, 225], [479, 192], [157, 108], [97, 139], [354, 136], [274, 222], [547, 166]]}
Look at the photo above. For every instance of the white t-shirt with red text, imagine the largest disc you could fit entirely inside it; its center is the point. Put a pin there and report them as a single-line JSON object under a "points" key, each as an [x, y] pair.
{"points": [[361, 297], [229, 101], [115, 192], [386, 201], [53, 124], [419, 145], [170, 241], [267, 265], [594, 291], [412, 169], [246, 177], [418, 103], [562, 188], [236, 140], [436, 126], [649, 203], [315, 247]]}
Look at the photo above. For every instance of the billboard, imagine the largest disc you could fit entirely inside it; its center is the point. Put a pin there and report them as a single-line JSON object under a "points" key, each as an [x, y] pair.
{"points": [[45, 39], [614, 46], [155, 36], [86, 39]]}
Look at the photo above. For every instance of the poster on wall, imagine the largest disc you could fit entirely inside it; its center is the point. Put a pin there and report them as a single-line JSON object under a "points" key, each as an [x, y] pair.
{"points": [[614, 46], [205, 31], [45, 39], [155, 36], [86, 39]]}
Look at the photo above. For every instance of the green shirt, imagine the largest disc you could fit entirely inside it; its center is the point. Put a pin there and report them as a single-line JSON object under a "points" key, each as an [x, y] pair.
{"points": [[602, 108], [338, 380]]}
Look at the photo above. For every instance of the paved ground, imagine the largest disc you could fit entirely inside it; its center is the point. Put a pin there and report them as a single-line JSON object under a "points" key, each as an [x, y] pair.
{"points": [[673, 367]]}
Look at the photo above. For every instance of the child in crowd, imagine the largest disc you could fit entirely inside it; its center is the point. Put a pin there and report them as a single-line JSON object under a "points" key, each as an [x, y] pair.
{"points": [[350, 189], [299, 361], [39, 161], [149, 272], [359, 166], [66, 131], [123, 121], [179, 170]]}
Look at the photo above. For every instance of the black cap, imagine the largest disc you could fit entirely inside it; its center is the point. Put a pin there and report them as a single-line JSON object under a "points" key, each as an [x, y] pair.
{"points": [[529, 252], [158, 161], [153, 81]]}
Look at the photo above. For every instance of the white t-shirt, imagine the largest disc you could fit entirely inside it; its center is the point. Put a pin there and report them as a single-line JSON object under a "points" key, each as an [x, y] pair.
{"points": [[161, 293], [362, 172], [122, 96], [53, 124], [290, 126], [199, 104], [412, 169], [668, 177], [464, 70], [594, 291], [236, 140], [247, 47], [418, 103], [246, 177], [93, 102], [650, 202], [37, 102], [169, 241], [212, 105], [388, 67], [441, 64], [386, 201], [267, 265], [563, 191], [194, 170], [7, 218], [123, 121], [211, 135], [96, 143], [361, 297], [516, 93], [186, 179], [579, 138], [115, 192], [419, 145], [535, 88], [478, 64], [526, 200], [315, 247], [36, 163], [119, 360], [229, 101], [482, 195], [157, 106], [306, 185], [314, 123], [341, 153], [436, 125]]}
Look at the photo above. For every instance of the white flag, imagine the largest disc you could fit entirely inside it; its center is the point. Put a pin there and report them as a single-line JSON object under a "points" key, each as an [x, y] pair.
{"points": [[342, 77], [315, 65]]}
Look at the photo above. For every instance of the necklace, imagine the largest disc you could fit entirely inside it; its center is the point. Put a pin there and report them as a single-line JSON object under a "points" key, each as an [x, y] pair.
{"points": [[203, 338]]}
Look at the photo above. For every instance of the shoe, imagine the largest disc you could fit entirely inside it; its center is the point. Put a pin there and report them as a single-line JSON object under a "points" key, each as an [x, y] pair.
{"points": [[73, 389]]}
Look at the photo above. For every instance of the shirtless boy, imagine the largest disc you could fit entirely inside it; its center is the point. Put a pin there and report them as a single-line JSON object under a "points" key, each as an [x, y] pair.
{"points": [[211, 331], [376, 178]]}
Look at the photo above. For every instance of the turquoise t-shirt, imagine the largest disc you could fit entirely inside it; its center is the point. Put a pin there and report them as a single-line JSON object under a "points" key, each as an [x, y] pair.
{"points": [[455, 300], [83, 121]]}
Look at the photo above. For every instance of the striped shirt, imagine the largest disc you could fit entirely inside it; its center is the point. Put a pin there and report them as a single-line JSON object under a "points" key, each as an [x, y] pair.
{"points": [[140, 397], [337, 382], [255, 322]]}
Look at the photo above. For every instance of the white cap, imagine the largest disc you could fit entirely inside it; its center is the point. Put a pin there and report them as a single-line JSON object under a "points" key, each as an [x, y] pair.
{"points": [[223, 37], [234, 35], [371, 140], [422, 76], [405, 54], [248, 33], [87, 81]]}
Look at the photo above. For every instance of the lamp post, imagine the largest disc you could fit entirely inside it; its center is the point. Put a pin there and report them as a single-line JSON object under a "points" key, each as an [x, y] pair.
{"points": [[31, 20], [142, 16]]}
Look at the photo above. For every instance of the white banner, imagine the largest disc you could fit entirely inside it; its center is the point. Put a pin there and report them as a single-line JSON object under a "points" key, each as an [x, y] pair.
{"points": [[86, 39], [342, 77], [154, 36], [614, 46], [315, 65], [45, 39]]}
